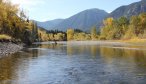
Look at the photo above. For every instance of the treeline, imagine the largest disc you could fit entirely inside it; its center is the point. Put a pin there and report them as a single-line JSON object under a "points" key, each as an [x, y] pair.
{"points": [[114, 29], [56, 35], [79, 35], [124, 28], [16, 25], [52, 35]]}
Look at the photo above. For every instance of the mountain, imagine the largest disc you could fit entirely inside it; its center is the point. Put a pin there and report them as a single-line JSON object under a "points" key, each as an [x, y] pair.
{"points": [[49, 24], [129, 10], [93, 17], [83, 20]]}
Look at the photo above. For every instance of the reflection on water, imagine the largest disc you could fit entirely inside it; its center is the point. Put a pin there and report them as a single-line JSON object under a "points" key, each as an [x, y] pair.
{"points": [[75, 64], [91, 50], [137, 56]]}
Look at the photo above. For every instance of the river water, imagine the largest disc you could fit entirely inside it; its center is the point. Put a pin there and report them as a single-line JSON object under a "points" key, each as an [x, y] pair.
{"points": [[76, 63]]}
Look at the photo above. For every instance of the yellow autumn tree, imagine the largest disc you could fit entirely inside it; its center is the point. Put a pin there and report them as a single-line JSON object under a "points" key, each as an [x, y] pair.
{"points": [[70, 34]]}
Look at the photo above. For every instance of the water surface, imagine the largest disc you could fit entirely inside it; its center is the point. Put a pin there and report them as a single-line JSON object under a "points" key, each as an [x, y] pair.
{"points": [[76, 63]]}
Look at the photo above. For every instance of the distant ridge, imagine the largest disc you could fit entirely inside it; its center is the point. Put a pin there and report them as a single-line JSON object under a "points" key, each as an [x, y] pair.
{"points": [[93, 17], [129, 10], [49, 24], [83, 20]]}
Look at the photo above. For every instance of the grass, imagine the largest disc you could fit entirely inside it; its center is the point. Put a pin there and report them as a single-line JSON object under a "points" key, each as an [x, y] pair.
{"points": [[134, 41], [3, 36]]}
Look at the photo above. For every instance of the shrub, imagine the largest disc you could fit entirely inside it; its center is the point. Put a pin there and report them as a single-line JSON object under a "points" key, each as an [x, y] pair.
{"points": [[5, 37]]}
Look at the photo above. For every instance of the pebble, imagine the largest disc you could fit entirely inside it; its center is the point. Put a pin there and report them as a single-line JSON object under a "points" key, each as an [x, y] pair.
{"points": [[9, 48]]}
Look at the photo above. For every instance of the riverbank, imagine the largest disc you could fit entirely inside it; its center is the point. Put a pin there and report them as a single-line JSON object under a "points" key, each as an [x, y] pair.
{"points": [[7, 48], [135, 41]]}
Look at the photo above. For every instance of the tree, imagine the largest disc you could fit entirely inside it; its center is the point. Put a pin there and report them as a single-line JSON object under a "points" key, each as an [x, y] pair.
{"points": [[35, 34], [130, 33], [70, 34], [77, 31], [114, 28], [134, 23], [120, 27], [107, 30], [59, 36], [93, 33], [123, 24], [108, 21], [142, 23]]}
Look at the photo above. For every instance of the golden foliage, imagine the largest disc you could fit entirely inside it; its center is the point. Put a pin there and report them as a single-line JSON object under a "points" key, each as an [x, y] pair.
{"points": [[3, 36], [70, 34]]}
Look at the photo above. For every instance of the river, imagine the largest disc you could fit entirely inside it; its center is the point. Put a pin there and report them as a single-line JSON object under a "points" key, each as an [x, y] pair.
{"points": [[75, 63]]}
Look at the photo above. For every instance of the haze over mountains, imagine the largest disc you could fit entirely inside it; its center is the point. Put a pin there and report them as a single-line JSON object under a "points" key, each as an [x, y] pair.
{"points": [[83, 20], [93, 17], [49, 24]]}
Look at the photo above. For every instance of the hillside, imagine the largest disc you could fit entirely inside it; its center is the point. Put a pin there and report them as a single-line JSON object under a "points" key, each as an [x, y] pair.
{"points": [[49, 24], [129, 10], [83, 20], [93, 17]]}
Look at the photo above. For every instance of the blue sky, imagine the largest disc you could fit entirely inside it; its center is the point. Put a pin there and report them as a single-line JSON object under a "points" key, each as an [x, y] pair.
{"points": [[43, 10]]}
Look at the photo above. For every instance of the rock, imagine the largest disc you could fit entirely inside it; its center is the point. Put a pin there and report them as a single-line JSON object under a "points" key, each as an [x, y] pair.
{"points": [[9, 48]]}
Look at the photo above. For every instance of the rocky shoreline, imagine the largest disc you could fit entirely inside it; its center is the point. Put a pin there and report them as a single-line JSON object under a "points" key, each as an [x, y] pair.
{"points": [[9, 48]]}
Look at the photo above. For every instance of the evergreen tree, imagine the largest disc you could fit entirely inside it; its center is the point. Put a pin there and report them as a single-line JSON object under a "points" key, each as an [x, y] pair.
{"points": [[93, 33]]}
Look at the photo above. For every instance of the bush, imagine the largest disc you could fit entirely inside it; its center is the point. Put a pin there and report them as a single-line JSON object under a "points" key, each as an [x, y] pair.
{"points": [[102, 38], [5, 37]]}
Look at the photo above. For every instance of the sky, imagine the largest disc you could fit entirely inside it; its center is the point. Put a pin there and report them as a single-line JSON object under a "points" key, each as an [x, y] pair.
{"points": [[44, 10]]}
